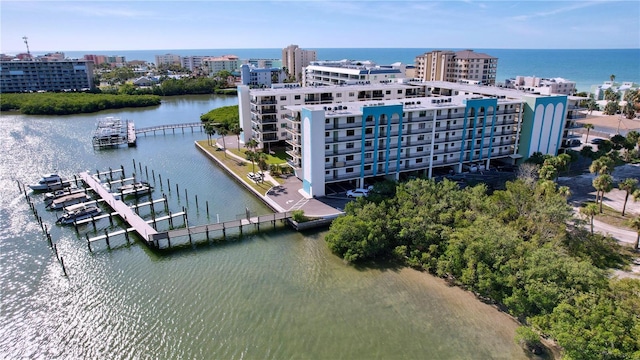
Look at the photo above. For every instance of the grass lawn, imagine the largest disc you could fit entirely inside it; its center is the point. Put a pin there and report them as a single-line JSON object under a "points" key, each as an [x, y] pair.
{"points": [[280, 156], [240, 168]]}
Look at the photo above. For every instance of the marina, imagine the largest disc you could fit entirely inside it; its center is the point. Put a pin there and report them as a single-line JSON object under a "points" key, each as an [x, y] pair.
{"points": [[113, 132]]}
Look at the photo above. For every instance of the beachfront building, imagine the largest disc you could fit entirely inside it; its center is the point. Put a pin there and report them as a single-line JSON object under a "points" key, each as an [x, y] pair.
{"points": [[465, 66], [192, 62], [260, 77], [38, 75], [264, 63], [545, 86], [168, 59], [213, 65], [621, 89], [349, 72], [294, 60]]}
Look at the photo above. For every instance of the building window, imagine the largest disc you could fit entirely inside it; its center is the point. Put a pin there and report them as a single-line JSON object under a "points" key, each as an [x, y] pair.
{"points": [[326, 121], [283, 98], [367, 143], [435, 147], [349, 158], [367, 167], [326, 134], [368, 131], [437, 136], [420, 148], [422, 114], [399, 91], [297, 97], [367, 155], [388, 92], [435, 158], [349, 145], [352, 94], [350, 132], [422, 126], [327, 147], [339, 95], [349, 170], [327, 160], [420, 137], [351, 119]]}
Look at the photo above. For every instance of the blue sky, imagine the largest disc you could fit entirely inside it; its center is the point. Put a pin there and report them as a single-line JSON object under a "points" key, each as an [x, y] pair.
{"points": [[149, 25]]}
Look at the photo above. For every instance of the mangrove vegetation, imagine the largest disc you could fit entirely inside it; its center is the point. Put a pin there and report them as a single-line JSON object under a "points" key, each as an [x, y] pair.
{"points": [[520, 248]]}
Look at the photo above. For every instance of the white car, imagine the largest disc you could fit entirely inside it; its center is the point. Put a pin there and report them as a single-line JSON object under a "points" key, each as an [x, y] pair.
{"points": [[357, 193]]}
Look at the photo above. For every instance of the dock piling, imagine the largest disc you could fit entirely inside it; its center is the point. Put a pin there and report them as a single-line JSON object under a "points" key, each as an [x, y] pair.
{"points": [[88, 243], [63, 268]]}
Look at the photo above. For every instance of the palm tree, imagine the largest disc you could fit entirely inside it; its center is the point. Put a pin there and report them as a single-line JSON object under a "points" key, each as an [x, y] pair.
{"points": [[253, 157], [223, 132], [237, 130], [261, 158], [588, 127], [210, 130], [602, 165], [252, 144], [628, 185], [564, 191], [590, 210], [612, 77], [635, 224], [603, 184]]}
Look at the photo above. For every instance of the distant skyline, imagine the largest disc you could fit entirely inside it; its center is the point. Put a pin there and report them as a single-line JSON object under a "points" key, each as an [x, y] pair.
{"points": [[109, 26]]}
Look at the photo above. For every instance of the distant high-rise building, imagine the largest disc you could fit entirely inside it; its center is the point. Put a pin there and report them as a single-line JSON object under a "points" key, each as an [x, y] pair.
{"points": [[295, 59], [465, 66], [168, 59]]}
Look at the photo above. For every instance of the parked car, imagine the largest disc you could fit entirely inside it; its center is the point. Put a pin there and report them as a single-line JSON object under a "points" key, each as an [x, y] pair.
{"points": [[575, 142], [597, 141], [357, 193]]}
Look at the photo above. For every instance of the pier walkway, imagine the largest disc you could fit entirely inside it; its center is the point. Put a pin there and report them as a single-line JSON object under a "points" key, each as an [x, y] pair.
{"points": [[128, 215], [172, 127]]}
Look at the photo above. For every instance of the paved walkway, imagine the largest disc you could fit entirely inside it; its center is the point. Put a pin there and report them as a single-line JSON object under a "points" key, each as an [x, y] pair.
{"points": [[285, 194]]}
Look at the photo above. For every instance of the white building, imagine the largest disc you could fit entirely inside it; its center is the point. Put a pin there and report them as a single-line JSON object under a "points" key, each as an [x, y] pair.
{"points": [[295, 60], [347, 72], [545, 86]]}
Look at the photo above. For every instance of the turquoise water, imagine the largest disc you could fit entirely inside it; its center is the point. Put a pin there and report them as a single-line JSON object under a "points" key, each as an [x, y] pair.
{"points": [[586, 67], [270, 295]]}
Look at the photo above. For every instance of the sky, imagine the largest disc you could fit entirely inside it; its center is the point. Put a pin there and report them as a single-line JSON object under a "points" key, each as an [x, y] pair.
{"points": [[150, 25]]}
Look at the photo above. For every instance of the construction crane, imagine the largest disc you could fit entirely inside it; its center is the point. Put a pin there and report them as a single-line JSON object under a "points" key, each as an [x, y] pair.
{"points": [[27, 43]]}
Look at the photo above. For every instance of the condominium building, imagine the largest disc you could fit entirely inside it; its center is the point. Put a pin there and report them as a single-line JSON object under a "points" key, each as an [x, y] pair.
{"points": [[34, 75], [264, 63], [358, 132], [260, 77], [212, 65], [347, 72], [168, 59], [541, 85], [262, 111], [192, 62], [295, 60], [465, 66]]}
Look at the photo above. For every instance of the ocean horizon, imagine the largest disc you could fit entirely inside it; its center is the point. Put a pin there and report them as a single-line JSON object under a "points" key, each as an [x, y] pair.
{"points": [[587, 67]]}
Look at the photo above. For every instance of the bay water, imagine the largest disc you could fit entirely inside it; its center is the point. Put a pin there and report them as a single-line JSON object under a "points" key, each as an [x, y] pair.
{"points": [[269, 295]]}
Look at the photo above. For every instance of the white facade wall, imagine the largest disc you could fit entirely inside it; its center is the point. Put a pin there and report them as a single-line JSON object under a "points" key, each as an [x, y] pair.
{"points": [[168, 59]]}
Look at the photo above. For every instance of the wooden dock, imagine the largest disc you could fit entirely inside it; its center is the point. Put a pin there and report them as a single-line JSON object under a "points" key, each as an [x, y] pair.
{"points": [[128, 215]]}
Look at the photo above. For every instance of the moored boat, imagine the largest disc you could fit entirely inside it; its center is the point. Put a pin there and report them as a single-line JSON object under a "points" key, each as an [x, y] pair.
{"points": [[51, 182], [68, 200], [50, 196], [77, 213], [138, 188]]}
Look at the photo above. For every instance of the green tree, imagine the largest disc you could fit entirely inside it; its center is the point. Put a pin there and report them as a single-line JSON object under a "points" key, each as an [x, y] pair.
{"points": [[222, 131], [611, 108], [253, 157], [548, 172], [236, 130], [210, 130], [588, 127], [635, 224], [629, 186], [590, 210], [603, 184], [602, 165], [629, 110]]}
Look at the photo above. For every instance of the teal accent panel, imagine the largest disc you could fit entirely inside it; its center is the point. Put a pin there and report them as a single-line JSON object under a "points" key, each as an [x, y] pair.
{"points": [[306, 186], [376, 112], [476, 104]]}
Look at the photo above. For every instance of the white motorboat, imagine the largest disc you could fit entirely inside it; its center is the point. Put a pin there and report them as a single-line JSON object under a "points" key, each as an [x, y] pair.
{"points": [[138, 188], [50, 196], [68, 200], [51, 182], [78, 212]]}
